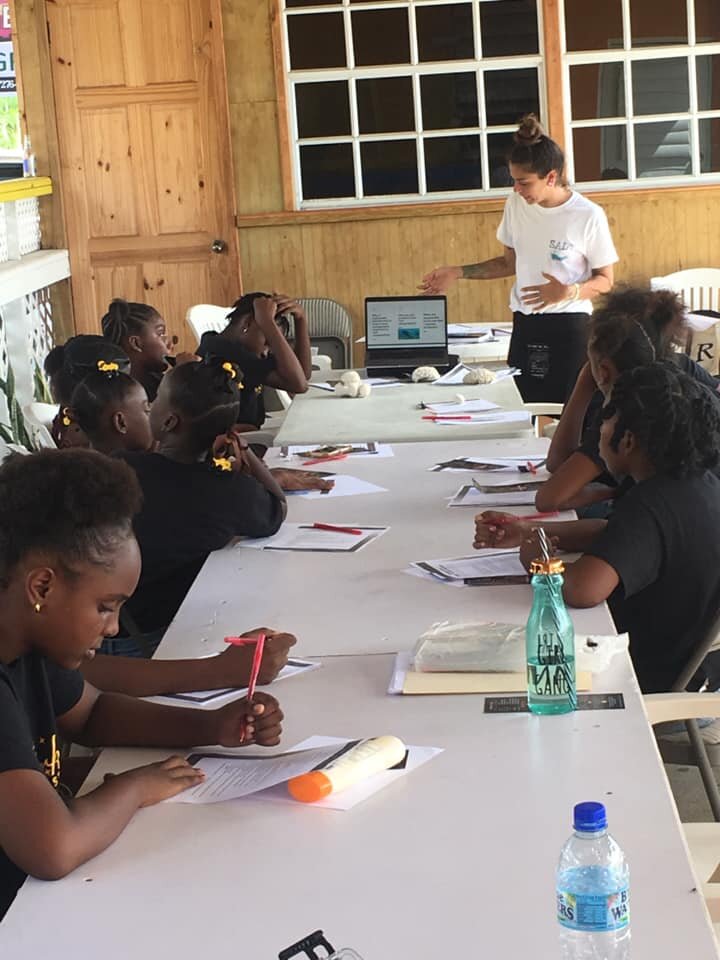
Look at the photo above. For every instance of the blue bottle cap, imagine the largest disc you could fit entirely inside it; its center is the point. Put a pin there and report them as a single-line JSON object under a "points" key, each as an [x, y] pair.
{"points": [[590, 817]]}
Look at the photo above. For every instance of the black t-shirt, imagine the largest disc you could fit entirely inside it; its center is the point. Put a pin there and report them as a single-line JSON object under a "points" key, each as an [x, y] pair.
{"points": [[590, 442], [663, 541], [254, 374], [189, 510], [33, 692]]}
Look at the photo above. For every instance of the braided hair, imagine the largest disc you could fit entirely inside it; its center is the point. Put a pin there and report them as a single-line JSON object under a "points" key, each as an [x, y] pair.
{"points": [[93, 395], [124, 318], [675, 419], [207, 395], [244, 307], [633, 327], [535, 151], [71, 363], [76, 505]]}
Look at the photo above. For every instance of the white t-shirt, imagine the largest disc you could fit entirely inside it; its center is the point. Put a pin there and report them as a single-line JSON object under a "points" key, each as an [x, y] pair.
{"points": [[568, 241]]}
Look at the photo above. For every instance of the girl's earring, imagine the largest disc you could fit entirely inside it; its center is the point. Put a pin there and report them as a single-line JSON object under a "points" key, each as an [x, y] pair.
{"points": [[38, 608]]}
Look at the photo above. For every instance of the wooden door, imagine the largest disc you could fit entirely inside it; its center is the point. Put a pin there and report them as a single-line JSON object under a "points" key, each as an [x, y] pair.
{"points": [[147, 177]]}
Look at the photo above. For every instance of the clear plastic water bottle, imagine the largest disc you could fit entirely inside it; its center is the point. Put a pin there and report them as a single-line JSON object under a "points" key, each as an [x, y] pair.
{"points": [[592, 885], [550, 639]]}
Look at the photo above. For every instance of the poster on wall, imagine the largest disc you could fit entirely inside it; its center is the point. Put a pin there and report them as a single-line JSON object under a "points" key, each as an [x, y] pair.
{"points": [[10, 142]]}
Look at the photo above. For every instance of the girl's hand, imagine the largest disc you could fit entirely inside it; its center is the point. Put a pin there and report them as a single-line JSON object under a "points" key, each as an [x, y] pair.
{"points": [[286, 304], [495, 529], [531, 549], [241, 723], [545, 294], [233, 665], [158, 781], [231, 446], [264, 309], [291, 480]]}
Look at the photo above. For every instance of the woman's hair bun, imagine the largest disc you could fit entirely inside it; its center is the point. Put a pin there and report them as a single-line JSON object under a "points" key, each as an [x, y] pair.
{"points": [[530, 130]]}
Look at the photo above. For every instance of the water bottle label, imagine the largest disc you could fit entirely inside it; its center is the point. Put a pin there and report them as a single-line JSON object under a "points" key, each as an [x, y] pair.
{"points": [[593, 913]]}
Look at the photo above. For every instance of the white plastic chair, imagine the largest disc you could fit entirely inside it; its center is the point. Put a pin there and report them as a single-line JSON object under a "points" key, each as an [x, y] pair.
{"points": [[703, 839], [699, 288], [206, 316]]}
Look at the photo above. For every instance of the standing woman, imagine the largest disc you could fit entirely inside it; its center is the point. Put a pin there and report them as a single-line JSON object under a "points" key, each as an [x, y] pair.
{"points": [[558, 246]]}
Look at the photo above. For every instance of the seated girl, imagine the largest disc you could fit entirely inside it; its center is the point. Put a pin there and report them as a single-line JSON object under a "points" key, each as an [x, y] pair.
{"points": [[632, 328], [141, 333], [66, 366], [194, 501], [255, 340], [68, 561], [112, 410], [657, 559]]}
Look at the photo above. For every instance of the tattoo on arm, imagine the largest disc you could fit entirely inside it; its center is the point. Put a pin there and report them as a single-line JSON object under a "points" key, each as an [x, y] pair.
{"points": [[475, 271]]}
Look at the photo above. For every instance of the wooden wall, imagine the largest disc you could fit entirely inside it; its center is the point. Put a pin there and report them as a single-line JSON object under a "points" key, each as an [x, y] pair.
{"points": [[347, 255]]}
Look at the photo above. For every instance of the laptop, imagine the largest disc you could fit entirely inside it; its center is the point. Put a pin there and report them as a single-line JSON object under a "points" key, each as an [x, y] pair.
{"points": [[402, 333]]}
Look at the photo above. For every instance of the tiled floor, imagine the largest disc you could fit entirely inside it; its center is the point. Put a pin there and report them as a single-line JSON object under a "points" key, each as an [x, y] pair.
{"points": [[689, 793]]}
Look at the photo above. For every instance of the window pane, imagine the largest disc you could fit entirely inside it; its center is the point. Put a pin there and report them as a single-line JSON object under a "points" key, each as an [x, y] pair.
{"points": [[323, 109], [385, 105], [508, 27], [660, 86], [327, 171], [499, 149], [381, 36], [708, 81], [658, 23], [389, 166], [600, 153], [509, 94], [597, 90], [445, 32], [593, 26], [662, 149], [308, 3], [710, 145], [453, 163], [449, 100], [707, 21], [316, 40]]}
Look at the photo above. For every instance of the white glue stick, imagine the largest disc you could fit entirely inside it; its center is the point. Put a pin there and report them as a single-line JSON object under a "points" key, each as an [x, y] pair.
{"points": [[367, 758]]}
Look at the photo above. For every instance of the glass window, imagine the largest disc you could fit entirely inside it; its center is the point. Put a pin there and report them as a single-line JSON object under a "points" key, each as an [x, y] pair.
{"points": [[445, 32], [708, 82], [449, 100], [385, 105], [499, 149], [508, 27], [389, 167], [660, 86], [600, 153], [658, 23], [662, 149], [597, 90], [380, 36], [593, 26], [327, 170], [710, 145], [453, 163], [316, 40], [509, 94], [323, 109], [707, 21]]}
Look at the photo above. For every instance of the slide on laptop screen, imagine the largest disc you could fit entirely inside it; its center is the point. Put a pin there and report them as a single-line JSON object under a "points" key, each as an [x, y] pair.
{"points": [[405, 332]]}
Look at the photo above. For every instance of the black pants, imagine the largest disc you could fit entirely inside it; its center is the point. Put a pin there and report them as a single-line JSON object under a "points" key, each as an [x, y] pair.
{"points": [[550, 350]]}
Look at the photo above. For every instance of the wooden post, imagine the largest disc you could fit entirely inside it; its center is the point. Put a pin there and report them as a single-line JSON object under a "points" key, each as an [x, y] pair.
{"points": [[555, 120]]}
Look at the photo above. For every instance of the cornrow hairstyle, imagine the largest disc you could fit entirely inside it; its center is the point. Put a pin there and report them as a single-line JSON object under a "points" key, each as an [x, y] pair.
{"points": [[534, 150], [81, 356], [633, 327], [243, 307], [674, 419], [124, 318], [53, 362], [207, 395], [92, 397], [75, 506]]}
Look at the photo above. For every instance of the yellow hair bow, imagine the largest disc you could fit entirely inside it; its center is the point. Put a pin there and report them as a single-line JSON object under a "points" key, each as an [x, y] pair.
{"points": [[222, 463], [66, 421], [229, 368], [105, 367], [259, 390]]}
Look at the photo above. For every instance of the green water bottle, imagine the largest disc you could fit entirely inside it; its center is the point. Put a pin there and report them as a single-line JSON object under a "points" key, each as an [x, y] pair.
{"points": [[550, 639]]}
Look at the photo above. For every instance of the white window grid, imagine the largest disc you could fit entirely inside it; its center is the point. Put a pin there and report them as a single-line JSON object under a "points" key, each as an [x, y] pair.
{"points": [[628, 55], [415, 70]]}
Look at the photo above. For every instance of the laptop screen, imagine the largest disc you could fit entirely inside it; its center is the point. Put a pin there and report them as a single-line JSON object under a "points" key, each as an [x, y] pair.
{"points": [[406, 323]]}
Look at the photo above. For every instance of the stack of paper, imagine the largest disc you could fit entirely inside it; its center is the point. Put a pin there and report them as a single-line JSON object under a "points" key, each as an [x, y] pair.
{"points": [[490, 567], [492, 416], [476, 405], [344, 486], [317, 538], [470, 496]]}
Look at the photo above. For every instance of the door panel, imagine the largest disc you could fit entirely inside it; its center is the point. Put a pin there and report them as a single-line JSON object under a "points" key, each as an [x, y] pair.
{"points": [[147, 180]]}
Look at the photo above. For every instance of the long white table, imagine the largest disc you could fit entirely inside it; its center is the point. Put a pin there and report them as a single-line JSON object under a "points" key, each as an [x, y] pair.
{"points": [[391, 414], [360, 602], [455, 860]]}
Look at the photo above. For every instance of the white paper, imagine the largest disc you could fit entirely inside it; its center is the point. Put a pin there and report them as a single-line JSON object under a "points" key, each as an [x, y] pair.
{"points": [[700, 323], [506, 372], [454, 376], [508, 478], [422, 574], [479, 330], [476, 405], [378, 382], [501, 416], [509, 467], [469, 496], [301, 451], [319, 385], [347, 799], [209, 699], [345, 486], [305, 537], [469, 568], [403, 662]]}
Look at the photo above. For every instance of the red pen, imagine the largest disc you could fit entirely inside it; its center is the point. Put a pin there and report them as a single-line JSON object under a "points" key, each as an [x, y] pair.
{"points": [[259, 640], [334, 529], [335, 456]]}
